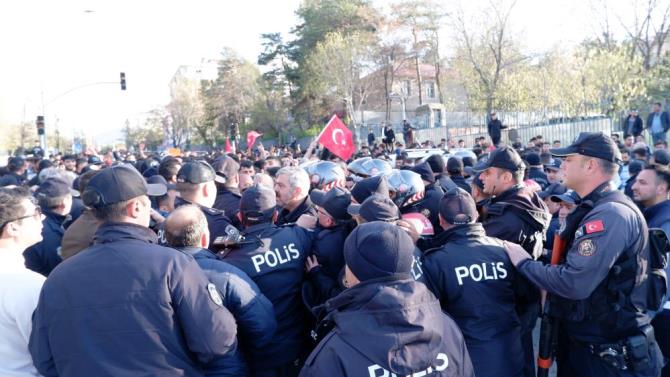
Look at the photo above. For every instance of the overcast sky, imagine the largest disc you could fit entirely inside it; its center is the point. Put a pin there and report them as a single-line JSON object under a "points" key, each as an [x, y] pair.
{"points": [[49, 47]]}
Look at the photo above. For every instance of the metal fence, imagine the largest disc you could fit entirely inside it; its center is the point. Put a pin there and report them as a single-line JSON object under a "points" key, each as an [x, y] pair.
{"points": [[565, 132]]}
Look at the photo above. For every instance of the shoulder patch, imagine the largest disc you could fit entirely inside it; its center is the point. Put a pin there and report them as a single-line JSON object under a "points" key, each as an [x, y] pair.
{"points": [[594, 226], [586, 248], [214, 294]]}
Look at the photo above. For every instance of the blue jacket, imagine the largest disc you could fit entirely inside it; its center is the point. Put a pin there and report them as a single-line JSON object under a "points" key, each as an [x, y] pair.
{"points": [[665, 121], [217, 222], [274, 258], [389, 326], [328, 248], [127, 307], [228, 202], [538, 175], [658, 216], [44, 256], [475, 282], [253, 312]]}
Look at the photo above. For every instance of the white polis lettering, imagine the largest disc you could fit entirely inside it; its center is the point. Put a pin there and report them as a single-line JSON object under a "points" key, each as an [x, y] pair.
{"points": [[483, 271], [442, 364], [273, 258]]}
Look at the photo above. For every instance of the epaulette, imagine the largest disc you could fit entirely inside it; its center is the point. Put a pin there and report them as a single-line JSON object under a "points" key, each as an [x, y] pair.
{"points": [[496, 209]]}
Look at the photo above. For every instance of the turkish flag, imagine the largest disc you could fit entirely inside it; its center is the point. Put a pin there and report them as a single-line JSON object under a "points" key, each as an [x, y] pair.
{"points": [[338, 139], [228, 148], [251, 138]]}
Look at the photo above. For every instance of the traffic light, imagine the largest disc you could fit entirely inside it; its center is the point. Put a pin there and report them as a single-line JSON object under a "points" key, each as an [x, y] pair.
{"points": [[40, 124], [123, 81]]}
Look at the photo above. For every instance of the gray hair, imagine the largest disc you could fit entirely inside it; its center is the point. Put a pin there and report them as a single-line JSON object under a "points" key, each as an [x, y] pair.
{"points": [[297, 177]]}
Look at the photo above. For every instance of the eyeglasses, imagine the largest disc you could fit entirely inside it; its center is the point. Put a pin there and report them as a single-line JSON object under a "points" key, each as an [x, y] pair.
{"points": [[37, 215]]}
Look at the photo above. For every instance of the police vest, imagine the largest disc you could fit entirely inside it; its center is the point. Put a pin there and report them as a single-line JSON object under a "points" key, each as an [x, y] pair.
{"points": [[610, 312]]}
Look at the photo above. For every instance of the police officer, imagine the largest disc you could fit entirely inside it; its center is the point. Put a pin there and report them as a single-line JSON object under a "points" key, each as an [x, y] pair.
{"points": [[553, 206], [535, 170], [473, 278], [517, 214], [227, 184], [386, 323], [186, 230], [335, 224], [274, 257], [429, 206], [292, 190], [369, 186], [126, 306], [195, 183], [600, 292], [55, 199], [15, 176]]}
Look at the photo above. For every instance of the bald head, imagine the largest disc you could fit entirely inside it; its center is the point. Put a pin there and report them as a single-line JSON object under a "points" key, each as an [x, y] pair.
{"points": [[187, 227]]}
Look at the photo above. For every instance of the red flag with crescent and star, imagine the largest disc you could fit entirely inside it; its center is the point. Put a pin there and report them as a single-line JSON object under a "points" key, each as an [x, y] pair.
{"points": [[251, 138], [338, 139]]}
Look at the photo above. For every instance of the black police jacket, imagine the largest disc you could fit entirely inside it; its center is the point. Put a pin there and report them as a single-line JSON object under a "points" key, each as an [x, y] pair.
{"points": [[228, 202], [128, 307], [518, 215], [44, 256], [474, 281], [389, 326], [253, 312], [274, 258], [11, 179], [539, 176], [600, 290], [217, 222], [290, 217], [328, 248], [460, 181]]}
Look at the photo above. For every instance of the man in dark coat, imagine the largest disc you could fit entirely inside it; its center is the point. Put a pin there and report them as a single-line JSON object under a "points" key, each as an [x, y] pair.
{"points": [[632, 125], [55, 199], [494, 127], [515, 213], [126, 306], [386, 323], [186, 230]]}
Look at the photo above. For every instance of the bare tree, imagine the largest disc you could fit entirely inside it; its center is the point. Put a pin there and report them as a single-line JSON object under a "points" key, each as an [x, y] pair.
{"points": [[648, 30], [489, 54]]}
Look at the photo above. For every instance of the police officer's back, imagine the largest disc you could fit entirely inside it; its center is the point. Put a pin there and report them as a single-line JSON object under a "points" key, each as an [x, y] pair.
{"points": [[125, 306], [386, 322], [274, 257], [186, 230], [475, 282], [196, 185], [600, 292]]}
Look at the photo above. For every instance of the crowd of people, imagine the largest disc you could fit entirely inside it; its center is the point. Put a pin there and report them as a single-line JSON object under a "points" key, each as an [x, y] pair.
{"points": [[278, 262]]}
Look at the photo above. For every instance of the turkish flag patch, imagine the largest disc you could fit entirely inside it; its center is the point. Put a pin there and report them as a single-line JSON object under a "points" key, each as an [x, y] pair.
{"points": [[594, 226]]}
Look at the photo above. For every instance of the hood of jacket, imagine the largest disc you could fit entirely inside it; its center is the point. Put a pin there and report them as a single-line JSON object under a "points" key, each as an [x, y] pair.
{"points": [[395, 323]]}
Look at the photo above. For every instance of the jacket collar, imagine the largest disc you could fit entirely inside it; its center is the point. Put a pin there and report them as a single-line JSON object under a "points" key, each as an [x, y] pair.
{"points": [[113, 232]]}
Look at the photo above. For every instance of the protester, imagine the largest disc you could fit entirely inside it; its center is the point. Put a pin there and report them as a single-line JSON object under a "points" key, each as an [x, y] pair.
{"points": [[20, 227]]}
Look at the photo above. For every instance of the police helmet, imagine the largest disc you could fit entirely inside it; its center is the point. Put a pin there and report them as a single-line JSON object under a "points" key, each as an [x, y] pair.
{"points": [[376, 166], [356, 168], [324, 175], [407, 186]]}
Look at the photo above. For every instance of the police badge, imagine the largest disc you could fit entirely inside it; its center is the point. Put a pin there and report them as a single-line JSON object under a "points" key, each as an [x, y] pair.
{"points": [[214, 294]]}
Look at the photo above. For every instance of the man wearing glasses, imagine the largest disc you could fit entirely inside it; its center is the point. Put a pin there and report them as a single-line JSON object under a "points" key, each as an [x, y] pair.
{"points": [[20, 227]]}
